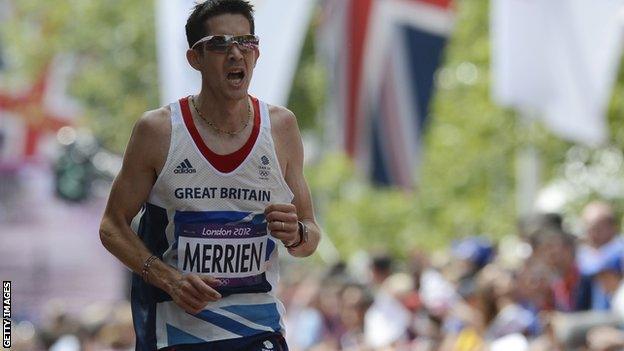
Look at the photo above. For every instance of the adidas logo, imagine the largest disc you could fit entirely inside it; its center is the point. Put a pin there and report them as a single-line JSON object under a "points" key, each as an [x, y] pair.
{"points": [[184, 167]]}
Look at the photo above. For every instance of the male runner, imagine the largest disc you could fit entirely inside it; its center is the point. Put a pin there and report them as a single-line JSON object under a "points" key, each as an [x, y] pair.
{"points": [[219, 177]]}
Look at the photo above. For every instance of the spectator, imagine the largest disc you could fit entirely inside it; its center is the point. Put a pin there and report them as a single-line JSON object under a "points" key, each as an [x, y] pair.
{"points": [[557, 250], [510, 317], [380, 268], [387, 321], [601, 242], [609, 277], [530, 226], [355, 301]]}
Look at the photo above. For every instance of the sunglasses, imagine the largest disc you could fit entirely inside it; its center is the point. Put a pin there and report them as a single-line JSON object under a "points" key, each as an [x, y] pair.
{"points": [[222, 43]]}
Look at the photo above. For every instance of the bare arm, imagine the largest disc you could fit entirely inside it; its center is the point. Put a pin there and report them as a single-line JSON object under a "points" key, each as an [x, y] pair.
{"points": [[144, 157], [129, 191], [290, 147]]}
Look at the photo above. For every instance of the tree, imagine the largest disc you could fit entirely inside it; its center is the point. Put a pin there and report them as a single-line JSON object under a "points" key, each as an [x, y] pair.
{"points": [[467, 178], [115, 78]]}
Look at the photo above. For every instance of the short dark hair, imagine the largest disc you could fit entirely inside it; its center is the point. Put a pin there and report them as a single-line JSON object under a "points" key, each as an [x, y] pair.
{"points": [[546, 235], [196, 26], [382, 262]]}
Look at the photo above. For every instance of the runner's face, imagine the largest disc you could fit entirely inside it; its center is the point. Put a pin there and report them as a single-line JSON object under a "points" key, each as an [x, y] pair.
{"points": [[229, 73]]}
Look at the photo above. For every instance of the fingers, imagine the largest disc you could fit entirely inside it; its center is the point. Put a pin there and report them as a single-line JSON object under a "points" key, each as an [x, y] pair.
{"points": [[277, 216], [286, 208], [285, 238], [193, 292], [186, 298], [188, 307], [283, 226], [211, 281], [282, 222], [188, 289], [203, 288]]}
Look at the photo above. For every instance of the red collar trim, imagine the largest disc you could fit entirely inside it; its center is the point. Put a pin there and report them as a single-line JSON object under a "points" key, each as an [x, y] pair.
{"points": [[223, 163]]}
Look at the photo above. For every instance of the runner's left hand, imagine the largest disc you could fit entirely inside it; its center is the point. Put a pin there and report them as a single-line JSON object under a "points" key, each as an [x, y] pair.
{"points": [[282, 222]]}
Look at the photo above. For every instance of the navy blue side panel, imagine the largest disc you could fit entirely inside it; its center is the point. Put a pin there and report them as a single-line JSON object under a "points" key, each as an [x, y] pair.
{"points": [[145, 296], [270, 248]]}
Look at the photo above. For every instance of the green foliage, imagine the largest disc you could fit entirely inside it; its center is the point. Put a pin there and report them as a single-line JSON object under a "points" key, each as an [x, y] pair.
{"points": [[115, 78], [308, 90], [358, 216], [616, 109]]}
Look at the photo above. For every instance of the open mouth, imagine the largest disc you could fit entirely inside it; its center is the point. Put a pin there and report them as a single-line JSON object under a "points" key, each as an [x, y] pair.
{"points": [[236, 76]]}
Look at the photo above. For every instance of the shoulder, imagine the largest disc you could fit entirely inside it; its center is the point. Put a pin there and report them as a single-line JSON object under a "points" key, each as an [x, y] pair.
{"points": [[286, 135], [154, 123], [150, 138], [283, 121]]}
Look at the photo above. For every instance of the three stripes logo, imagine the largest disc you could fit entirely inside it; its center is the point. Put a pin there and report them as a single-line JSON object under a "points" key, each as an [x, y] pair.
{"points": [[184, 167]]}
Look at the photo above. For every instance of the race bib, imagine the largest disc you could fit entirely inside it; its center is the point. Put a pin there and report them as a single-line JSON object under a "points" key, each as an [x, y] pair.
{"points": [[230, 246]]}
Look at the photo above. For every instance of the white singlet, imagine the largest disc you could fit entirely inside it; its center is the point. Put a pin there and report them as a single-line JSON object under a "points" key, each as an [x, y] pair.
{"points": [[205, 214]]}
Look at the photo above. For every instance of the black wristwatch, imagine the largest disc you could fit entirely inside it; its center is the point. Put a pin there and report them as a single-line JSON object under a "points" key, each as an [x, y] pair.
{"points": [[303, 236]]}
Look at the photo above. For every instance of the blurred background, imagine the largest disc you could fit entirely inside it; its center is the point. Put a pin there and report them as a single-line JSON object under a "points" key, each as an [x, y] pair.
{"points": [[465, 160]]}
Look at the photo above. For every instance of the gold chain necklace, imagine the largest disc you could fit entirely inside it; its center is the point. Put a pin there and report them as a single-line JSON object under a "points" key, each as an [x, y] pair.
{"points": [[219, 130]]}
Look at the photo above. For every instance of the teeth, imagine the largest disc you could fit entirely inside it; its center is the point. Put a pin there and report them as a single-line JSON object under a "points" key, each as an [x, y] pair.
{"points": [[236, 76]]}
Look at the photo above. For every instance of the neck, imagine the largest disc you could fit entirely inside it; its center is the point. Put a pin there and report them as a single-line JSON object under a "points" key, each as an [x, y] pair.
{"points": [[228, 114]]}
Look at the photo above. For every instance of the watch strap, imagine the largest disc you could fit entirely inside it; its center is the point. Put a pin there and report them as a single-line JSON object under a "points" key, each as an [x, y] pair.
{"points": [[303, 236]]}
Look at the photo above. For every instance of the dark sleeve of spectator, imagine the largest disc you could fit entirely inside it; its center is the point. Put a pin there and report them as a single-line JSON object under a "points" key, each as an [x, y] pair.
{"points": [[583, 295]]}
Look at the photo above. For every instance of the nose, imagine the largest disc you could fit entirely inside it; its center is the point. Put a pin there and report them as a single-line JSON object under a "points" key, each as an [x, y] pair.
{"points": [[235, 53]]}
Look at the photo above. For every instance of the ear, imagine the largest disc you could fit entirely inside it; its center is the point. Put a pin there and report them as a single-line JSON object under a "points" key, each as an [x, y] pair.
{"points": [[257, 56], [192, 56]]}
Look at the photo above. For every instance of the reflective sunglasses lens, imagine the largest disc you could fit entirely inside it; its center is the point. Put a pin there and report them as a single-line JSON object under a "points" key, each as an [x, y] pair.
{"points": [[248, 42], [217, 43], [221, 43]]}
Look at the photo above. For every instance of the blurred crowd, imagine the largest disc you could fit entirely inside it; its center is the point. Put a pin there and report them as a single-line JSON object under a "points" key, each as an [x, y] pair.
{"points": [[98, 327], [542, 289]]}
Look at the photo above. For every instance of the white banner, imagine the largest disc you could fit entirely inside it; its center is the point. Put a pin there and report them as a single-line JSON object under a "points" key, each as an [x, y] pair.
{"points": [[176, 77], [558, 58]]}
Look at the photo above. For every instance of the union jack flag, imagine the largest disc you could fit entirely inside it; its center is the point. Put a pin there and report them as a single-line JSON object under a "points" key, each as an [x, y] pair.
{"points": [[381, 57]]}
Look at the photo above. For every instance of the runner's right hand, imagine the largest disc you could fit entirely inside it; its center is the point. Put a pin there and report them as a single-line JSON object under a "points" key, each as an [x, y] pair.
{"points": [[192, 292]]}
